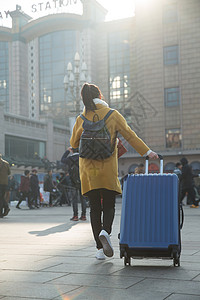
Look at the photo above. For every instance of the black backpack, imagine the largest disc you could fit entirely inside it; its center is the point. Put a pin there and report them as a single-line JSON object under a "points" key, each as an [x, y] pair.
{"points": [[95, 142]]}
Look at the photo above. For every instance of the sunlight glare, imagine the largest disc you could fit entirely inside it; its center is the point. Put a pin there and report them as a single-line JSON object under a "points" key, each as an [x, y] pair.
{"points": [[144, 3], [118, 9]]}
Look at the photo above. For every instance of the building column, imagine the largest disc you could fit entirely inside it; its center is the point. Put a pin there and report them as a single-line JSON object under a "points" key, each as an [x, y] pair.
{"points": [[19, 61], [49, 143], [2, 126]]}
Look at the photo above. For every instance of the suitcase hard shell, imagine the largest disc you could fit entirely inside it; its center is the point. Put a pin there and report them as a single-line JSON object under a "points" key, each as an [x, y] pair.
{"points": [[150, 217]]}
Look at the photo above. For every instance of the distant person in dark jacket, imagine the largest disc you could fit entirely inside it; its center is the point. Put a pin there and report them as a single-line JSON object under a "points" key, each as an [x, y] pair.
{"points": [[12, 185], [178, 172], [24, 189], [4, 173], [187, 183], [49, 185], [71, 159], [69, 184], [34, 185], [63, 186]]}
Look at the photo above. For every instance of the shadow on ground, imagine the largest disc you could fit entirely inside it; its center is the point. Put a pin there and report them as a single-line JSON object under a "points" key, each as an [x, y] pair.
{"points": [[53, 230]]}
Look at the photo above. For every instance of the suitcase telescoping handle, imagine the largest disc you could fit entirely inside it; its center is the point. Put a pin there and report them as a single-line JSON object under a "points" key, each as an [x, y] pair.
{"points": [[147, 164]]}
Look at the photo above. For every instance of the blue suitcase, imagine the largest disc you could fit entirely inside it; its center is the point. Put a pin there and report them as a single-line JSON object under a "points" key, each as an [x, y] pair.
{"points": [[150, 217]]}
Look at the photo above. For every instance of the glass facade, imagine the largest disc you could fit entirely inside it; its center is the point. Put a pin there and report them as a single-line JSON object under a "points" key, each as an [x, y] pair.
{"points": [[171, 56], [119, 68], [172, 96], [17, 147], [173, 138], [170, 13], [4, 75], [56, 50]]}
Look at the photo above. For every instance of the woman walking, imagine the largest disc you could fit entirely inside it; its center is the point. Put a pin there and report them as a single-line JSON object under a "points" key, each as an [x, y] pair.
{"points": [[99, 178]]}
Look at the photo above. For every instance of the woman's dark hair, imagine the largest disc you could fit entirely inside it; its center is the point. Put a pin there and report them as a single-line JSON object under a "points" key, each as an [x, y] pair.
{"points": [[178, 164], [88, 93], [26, 172], [184, 161]]}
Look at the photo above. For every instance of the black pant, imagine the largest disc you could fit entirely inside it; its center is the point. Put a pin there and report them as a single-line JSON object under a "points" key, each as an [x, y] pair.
{"points": [[75, 193], [64, 196], [191, 195], [3, 203], [23, 196], [50, 198], [34, 197], [101, 200]]}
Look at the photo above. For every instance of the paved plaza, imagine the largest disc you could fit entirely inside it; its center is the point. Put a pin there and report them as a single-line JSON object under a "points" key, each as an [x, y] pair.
{"points": [[44, 255]]}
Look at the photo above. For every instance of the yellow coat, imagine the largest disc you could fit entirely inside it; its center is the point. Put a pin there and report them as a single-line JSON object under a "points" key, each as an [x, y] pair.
{"points": [[104, 174]]}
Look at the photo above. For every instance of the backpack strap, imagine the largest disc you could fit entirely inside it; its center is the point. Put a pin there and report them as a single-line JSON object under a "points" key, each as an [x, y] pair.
{"points": [[105, 118], [83, 118], [108, 114], [114, 140]]}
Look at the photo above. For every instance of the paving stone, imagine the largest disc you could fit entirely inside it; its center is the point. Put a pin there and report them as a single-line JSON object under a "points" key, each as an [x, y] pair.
{"points": [[44, 256], [21, 257], [190, 259], [28, 276], [93, 268], [90, 293], [108, 281], [189, 251], [25, 265], [33, 290], [72, 259], [192, 266], [158, 272], [170, 286], [183, 297], [21, 298], [197, 278]]}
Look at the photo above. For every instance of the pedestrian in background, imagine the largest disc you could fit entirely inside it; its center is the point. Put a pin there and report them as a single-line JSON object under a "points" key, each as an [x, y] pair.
{"points": [[99, 179], [71, 159], [35, 189], [49, 185], [177, 170], [62, 186], [69, 184], [4, 173], [24, 189], [12, 184], [139, 169], [57, 180], [187, 183]]}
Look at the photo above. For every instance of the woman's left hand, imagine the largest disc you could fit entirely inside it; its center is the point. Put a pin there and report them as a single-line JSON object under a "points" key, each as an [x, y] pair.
{"points": [[153, 155]]}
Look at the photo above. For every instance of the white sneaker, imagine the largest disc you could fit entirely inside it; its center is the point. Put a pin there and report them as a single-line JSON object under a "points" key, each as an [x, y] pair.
{"points": [[100, 255], [106, 243]]}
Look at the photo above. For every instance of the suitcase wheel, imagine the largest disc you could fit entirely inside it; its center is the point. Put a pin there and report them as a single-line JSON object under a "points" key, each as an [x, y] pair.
{"points": [[127, 260], [176, 260]]}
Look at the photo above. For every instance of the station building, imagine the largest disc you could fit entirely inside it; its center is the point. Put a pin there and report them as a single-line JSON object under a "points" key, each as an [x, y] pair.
{"points": [[147, 67]]}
